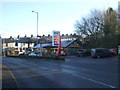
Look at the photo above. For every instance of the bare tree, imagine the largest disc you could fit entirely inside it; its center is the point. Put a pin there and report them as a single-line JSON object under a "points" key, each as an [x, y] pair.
{"points": [[90, 26]]}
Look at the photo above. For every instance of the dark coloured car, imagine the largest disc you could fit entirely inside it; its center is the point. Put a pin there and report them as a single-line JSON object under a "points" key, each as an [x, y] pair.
{"points": [[6, 52], [84, 52], [101, 52]]}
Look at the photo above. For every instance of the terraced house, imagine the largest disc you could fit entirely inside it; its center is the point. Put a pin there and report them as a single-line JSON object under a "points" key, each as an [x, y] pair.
{"points": [[20, 45]]}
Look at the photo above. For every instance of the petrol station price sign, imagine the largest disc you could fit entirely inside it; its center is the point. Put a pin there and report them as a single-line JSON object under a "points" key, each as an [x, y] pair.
{"points": [[55, 38]]}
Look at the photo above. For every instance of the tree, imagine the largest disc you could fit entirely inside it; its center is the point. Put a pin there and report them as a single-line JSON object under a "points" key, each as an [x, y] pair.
{"points": [[90, 27], [99, 29], [110, 22], [110, 29]]}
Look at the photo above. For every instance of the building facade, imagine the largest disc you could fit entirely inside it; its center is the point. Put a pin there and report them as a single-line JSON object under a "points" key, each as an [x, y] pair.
{"points": [[20, 45]]}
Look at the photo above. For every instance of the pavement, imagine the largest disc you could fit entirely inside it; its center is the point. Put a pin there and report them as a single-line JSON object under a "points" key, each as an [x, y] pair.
{"points": [[74, 72]]}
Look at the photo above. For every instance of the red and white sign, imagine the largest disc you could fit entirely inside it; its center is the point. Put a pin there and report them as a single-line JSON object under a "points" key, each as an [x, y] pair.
{"points": [[56, 38]]}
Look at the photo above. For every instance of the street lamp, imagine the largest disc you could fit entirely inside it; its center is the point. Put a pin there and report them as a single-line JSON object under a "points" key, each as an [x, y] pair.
{"points": [[37, 34], [37, 21]]}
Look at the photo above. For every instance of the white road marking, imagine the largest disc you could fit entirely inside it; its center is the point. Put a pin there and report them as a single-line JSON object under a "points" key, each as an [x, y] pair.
{"points": [[67, 60], [44, 67], [35, 66], [13, 77], [94, 81]]}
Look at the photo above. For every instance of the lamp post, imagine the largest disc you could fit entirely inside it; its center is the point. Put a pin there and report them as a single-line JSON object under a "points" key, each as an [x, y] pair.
{"points": [[37, 34], [37, 21]]}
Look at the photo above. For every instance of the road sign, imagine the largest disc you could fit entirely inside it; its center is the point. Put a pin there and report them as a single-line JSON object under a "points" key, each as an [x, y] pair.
{"points": [[55, 38]]}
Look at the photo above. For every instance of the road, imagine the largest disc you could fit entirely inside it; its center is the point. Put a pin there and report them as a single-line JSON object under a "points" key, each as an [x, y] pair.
{"points": [[74, 72]]}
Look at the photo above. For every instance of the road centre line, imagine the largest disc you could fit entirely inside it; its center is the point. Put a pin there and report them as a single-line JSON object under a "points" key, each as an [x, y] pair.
{"points": [[94, 81], [67, 59]]}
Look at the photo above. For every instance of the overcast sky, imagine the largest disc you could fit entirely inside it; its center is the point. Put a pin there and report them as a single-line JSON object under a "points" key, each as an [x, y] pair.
{"points": [[17, 18]]}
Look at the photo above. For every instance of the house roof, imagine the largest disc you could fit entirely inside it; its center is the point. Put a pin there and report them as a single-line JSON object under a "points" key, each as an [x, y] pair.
{"points": [[43, 45], [63, 44], [67, 43], [31, 40], [26, 40], [8, 40]]}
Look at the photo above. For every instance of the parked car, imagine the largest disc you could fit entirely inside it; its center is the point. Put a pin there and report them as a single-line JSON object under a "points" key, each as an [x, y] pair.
{"points": [[32, 54], [101, 52], [63, 53], [84, 52], [27, 53]]}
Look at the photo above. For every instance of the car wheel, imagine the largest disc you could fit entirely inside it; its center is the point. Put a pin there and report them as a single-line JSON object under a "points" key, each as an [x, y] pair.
{"points": [[78, 55], [93, 57], [112, 54]]}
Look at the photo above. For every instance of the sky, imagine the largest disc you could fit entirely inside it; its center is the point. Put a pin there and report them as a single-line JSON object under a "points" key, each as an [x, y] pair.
{"points": [[17, 18]]}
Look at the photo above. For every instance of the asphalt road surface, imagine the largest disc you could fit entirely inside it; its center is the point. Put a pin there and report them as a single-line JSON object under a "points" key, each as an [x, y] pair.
{"points": [[74, 72]]}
